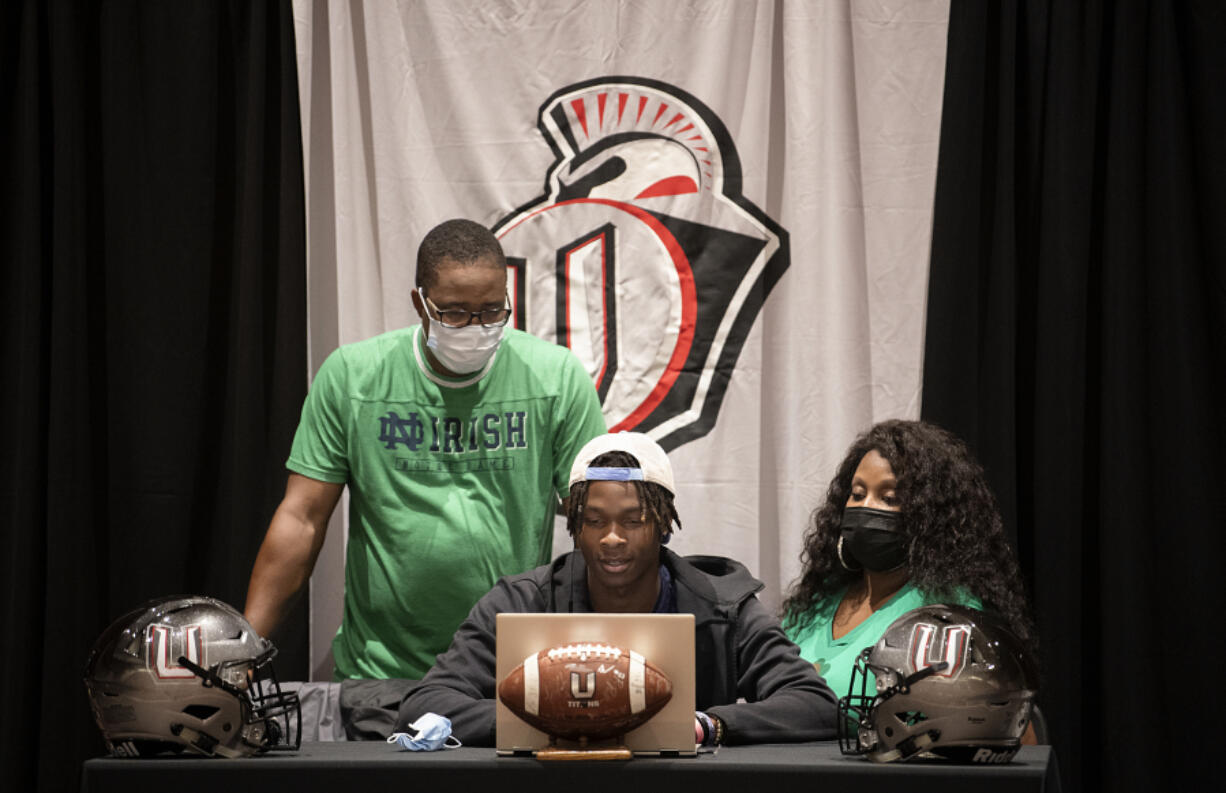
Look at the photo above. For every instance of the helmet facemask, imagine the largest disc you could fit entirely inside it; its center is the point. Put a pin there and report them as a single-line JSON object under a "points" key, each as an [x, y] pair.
{"points": [[861, 712], [271, 718]]}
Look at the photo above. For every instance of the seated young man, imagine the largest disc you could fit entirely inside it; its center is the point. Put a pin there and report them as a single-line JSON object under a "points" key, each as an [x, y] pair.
{"points": [[620, 512]]}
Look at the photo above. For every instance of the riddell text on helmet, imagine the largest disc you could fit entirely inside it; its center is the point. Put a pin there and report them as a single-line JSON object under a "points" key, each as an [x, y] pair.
{"points": [[988, 756]]}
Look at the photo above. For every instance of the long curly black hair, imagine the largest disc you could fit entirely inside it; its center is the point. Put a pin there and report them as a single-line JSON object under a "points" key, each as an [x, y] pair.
{"points": [[957, 541], [655, 500]]}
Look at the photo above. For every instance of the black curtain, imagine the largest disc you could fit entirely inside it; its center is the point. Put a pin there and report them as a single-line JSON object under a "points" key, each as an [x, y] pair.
{"points": [[1076, 322], [154, 332]]}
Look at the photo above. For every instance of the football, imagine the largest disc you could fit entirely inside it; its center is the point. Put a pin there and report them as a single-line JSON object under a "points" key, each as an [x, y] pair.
{"points": [[585, 690]]}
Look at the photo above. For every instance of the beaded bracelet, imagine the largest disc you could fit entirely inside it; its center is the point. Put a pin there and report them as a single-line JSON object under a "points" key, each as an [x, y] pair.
{"points": [[708, 727]]}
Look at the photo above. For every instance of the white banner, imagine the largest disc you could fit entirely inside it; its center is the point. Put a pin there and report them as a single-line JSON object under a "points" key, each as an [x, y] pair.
{"points": [[724, 208]]}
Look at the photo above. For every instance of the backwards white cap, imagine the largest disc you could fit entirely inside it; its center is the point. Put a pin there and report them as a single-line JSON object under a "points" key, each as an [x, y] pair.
{"points": [[653, 462]]}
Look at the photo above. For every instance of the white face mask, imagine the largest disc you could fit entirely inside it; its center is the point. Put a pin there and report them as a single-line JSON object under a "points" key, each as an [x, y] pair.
{"points": [[463, 350]]}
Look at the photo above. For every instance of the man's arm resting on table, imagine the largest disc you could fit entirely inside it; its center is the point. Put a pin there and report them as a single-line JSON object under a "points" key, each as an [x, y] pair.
{"points": [[785, 700], [290, 548]]}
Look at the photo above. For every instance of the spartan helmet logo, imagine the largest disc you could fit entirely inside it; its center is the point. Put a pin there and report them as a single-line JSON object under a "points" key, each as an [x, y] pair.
{"points": [[642, 256]]}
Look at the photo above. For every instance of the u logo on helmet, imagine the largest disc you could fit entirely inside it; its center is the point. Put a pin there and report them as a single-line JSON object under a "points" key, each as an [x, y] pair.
{"points": [[642, 255], [955, 640], [161, 652]]}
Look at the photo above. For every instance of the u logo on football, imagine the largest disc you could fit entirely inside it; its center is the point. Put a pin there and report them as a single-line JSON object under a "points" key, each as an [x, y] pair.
{"points": [[587, 690], [642, 256]]}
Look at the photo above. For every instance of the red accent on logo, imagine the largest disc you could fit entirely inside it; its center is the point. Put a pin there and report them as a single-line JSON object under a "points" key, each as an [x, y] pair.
{"points": [[689, 302], [580, 113], [673, 185], [604, 308], [514, 289]]}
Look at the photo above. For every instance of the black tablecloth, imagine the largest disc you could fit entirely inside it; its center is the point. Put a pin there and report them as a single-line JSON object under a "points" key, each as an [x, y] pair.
{"points": [[359, 767]]}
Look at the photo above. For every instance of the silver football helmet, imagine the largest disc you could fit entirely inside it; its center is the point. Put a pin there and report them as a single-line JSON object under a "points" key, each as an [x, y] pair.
{"points": [[950, 682], [188, 674]]}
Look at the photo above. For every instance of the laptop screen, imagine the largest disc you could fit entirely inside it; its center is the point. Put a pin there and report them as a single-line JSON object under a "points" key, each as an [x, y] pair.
{"points": [[665, 640]]}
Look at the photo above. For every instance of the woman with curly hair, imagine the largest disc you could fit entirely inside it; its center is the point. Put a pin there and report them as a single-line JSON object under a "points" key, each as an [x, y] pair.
{"points": [[908, 521]]}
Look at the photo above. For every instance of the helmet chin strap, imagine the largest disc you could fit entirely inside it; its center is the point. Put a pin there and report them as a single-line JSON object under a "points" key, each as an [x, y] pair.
{"points": [[204, 742], [907, 748], [904, 686], [916, 743], [210, 677]]}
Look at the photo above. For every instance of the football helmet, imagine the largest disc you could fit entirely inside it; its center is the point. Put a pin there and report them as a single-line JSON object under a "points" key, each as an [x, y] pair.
{"points": [[950, 682], [188, 674]]}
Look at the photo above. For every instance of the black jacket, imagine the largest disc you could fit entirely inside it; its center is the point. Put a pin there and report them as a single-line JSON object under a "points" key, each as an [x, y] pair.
{"points": [[740, 650]]}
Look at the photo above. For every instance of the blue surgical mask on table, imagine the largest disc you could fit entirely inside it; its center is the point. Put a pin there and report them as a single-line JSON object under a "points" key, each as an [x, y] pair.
{"points": [[432, 732]]}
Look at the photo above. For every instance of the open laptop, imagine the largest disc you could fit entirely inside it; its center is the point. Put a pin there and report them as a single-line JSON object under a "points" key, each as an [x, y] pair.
{"points": [[666, 640]]}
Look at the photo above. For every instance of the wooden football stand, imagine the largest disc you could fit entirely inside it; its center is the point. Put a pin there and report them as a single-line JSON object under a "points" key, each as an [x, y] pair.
{"points": [[611, 749]]}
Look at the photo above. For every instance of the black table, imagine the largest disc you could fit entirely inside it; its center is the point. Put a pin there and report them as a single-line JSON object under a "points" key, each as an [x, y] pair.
{"points": [[372, 766]]}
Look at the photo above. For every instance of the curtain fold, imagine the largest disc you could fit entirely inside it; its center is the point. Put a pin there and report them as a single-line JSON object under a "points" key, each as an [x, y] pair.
{"points": [[154, 332], [1076, 303]]}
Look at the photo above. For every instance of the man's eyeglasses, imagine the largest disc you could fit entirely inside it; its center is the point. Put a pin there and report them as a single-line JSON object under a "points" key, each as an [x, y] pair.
{"points": [[459, 318]]}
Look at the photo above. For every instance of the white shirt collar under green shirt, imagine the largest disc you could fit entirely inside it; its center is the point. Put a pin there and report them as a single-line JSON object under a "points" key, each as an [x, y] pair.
{"points": [[419, 352]]}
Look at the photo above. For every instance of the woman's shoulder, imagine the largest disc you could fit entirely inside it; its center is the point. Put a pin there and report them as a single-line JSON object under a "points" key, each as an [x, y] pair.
{"points": [[960, 596], [799, 626]]}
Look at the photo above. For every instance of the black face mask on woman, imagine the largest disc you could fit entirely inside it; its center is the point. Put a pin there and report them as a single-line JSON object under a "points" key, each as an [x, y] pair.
{"points": [[870, 539]]}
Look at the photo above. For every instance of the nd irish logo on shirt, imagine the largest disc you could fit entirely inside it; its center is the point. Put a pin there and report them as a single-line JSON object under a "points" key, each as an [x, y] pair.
{"points": [[416, 431]]}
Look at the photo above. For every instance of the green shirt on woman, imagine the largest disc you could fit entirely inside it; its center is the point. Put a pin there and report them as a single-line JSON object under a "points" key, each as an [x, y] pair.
{"points": [[835, 658]]}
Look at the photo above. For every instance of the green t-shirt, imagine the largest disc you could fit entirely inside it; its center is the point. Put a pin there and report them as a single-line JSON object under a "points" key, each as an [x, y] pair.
{"points": [[451, 481], [835, 658]]}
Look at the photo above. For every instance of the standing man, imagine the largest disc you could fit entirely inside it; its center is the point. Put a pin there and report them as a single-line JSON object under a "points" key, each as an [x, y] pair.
{"points": [[453, 437]]}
